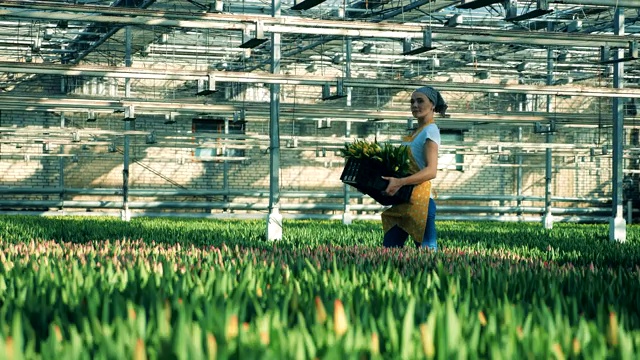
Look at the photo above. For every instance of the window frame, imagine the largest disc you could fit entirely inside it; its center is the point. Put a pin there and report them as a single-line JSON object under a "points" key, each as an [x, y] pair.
{"points": [[216, 125], [451, 135]]}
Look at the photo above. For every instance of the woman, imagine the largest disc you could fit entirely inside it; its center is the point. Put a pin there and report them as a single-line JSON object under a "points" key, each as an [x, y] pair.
{"points": [[417, 218]]}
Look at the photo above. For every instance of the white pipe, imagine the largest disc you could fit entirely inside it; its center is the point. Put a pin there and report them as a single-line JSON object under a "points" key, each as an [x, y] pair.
{"points": [[263, 193], [139, 205], [241, 77], [336, 217]]}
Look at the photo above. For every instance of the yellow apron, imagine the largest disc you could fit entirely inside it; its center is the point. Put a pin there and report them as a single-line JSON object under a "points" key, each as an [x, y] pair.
{"points": [[412, 216]]}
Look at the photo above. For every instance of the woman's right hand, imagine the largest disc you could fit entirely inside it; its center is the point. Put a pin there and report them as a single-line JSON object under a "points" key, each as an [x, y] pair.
{"points": [[394, 185]]}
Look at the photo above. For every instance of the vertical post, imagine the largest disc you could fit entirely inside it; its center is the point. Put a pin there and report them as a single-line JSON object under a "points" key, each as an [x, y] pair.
{"points": [[348, 69], [274, 221], [617, 223], [519, 175], [61, 166], [347, 219], [547, 219], [225, 167], [126, 212]]}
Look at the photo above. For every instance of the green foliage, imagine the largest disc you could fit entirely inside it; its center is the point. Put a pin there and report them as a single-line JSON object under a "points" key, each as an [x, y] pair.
{"points": [[194, 289]]}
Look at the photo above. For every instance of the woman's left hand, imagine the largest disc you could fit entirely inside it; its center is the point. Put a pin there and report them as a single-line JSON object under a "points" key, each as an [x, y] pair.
{"points": [[394, 185]]}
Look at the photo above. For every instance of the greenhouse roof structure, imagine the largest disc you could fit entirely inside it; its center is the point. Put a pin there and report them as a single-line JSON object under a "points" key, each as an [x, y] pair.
{"points": [[540, 47]]}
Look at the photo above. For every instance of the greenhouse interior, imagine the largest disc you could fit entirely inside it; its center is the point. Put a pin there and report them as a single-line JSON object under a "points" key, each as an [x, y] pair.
{"points": [[189, 179], [240, 109]]}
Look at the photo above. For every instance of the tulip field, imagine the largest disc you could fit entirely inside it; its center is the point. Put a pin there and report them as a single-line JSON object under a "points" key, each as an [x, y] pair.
{"points": [[99, 288]]}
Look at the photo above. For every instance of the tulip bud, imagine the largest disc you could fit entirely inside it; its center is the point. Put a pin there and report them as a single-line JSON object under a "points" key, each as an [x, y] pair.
{"points": [[340, 324], [612, 330], [375, 344], [140, 352], [321, 313], [426, 338], [212, 346], [482, 318], [232, 327]]}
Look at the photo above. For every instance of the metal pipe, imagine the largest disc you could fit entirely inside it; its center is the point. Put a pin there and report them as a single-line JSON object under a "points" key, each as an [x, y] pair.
{"points": [[631, 4], [298, 25], [326, 39], [617, 224], [256, 110], [127, 126], [143, 205], [245, 77], [489, 197], [506, 218], [61, 162], [403, 10], [86, 50], [274, 219], [548, 174], [579, 199], [163, 192], [571, 211], [265, 193], [489, 209], [347, 217], [519, 170], [257, 216]]}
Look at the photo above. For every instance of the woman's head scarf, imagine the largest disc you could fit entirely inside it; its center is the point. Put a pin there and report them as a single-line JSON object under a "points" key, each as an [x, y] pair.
{"points": [[436, 99]]}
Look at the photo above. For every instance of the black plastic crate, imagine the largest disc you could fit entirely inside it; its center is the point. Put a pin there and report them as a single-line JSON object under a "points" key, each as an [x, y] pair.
{"points": [[365, 175]]}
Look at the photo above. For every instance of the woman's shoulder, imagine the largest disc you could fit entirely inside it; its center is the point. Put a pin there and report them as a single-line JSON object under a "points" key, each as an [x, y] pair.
{"points": [[432, 132], [430, 129]]}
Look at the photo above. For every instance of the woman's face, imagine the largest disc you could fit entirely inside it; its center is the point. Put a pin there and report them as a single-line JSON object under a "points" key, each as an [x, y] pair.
{"points": [[421, 106]]}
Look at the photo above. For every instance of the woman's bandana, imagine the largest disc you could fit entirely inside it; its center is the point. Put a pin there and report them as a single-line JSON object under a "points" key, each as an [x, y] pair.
{"points": [[435, 98]]}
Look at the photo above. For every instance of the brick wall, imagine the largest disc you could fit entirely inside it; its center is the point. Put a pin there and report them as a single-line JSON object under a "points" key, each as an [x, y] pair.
{"points": [[313, 165]]}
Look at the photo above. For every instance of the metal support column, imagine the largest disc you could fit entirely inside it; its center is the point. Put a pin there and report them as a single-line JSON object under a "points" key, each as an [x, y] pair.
{"points": [[547, 219], [61, 166], [126, 212], [347, 217], [274, 220], [347, 70], [617, 223], [225, 167], [519, 173]]}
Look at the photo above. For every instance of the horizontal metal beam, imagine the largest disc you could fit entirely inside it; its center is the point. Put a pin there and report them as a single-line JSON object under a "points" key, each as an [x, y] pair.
{"points": [[9, 190], [337, 113], [630, 4], [301, 216], [444, 209], [510, 37], [301, 25], [243, 77]]}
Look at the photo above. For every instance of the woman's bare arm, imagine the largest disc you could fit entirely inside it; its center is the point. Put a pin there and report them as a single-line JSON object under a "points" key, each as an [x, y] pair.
{"points": [[429, 172]]}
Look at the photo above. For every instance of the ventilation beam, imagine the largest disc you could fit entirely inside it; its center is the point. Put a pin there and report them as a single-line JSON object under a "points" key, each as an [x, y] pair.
{"points": [[326, 91], [257, 40], [306, 4], [632, 54], [476, 4], [427, 44], [542, 9], [206, 87]]}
